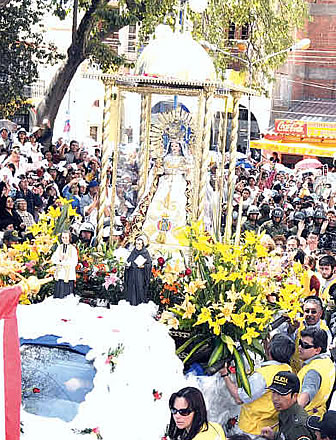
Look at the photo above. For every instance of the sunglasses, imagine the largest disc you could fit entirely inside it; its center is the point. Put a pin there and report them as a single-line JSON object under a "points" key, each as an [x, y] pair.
{"points": [[184, 412], [310, 311], [304, 345]]}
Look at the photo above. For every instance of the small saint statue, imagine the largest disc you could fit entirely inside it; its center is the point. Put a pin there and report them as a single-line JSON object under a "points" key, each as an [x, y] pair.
{"points": [[65, 259], [137, 272]]}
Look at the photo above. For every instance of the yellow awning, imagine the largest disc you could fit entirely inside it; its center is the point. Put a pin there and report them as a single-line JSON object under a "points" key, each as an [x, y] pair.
{"points": [[304, 149]]}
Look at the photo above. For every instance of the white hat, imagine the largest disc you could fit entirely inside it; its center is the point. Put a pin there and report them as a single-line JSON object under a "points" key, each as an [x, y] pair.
{"points": [[144, 238]]}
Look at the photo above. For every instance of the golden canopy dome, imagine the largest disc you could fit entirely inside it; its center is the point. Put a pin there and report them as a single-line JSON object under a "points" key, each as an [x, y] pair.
{"points": [[175, 56]]}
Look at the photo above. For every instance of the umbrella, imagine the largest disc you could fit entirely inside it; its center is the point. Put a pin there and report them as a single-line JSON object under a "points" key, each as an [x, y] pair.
{"points": [[306, 164], [5, 123]]}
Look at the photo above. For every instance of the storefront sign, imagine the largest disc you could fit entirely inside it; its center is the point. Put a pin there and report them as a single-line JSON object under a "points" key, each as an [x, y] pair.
{"points": [[312, 129], [291, 127], [321, 129]]}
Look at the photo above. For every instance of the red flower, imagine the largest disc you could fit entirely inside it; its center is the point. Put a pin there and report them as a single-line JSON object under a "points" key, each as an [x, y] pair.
{"points": [[232, 370], [36, 390], [161, 261], [156, 395], [188, 271], [114, 270], [85, 264]]}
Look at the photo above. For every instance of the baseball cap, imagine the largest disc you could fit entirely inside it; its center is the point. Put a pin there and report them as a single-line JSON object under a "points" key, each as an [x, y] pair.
{"points": [[93, 184], [326, 425], [284, 383], [11, 237]]}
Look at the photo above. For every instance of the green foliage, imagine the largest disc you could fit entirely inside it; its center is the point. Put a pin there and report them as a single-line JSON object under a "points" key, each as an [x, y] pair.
{"points": [[21, 50], [272, 25]]}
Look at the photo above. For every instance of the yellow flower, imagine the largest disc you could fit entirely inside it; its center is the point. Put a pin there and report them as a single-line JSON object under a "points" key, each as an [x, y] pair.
{"points": [[238, 319], [193, 286], [250, 334], [216, 326], [220, 275], [204, 316], [182, 236], [190, 309], [54, 212], [232, 295], [247, 298], [226, 310], [203, 245], [250, 237], [72, 212], [173, 323], [261, 251]]}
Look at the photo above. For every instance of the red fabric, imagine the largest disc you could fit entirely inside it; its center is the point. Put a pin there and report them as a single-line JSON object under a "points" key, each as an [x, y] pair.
{"points": [[9, 298], [315, 284]]}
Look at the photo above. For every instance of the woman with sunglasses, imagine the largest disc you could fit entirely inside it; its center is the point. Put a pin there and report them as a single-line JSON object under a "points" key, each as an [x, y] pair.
{"points": [[189, 417]]}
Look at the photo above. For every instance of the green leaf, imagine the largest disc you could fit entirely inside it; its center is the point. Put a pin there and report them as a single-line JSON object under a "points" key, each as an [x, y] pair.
{"points": [[186, 344], [196, 348]]}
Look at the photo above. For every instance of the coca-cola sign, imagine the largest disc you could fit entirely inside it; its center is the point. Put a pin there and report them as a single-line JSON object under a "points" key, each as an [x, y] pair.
{"points": [[291, 127]]}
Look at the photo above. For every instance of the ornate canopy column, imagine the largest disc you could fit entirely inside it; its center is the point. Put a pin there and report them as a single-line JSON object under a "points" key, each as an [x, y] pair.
{"points": [[205, 141], [111, 134], [232, 166], [145, 123]]}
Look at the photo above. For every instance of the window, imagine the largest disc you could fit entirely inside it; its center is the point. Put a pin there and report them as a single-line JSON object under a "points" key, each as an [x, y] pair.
{"points": [[94, 132], [232, 31]]}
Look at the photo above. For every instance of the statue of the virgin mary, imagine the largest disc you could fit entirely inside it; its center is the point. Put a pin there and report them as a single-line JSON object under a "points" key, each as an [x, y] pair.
{"points": [[167, 202]]}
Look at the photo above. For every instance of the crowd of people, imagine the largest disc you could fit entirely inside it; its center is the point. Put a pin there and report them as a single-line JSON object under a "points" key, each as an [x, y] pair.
{"points": [[33, 177], [297, 215]]}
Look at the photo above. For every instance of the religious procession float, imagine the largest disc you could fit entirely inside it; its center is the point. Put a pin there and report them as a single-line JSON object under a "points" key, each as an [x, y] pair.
{"points": [[108, 371]]}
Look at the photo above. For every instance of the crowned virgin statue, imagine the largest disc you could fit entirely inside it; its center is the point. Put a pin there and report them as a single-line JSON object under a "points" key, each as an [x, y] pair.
{"points": [[167, 202], [168, 208]]}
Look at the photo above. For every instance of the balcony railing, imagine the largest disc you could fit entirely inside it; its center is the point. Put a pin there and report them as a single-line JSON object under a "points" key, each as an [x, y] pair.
{"points": [[36, 90]]}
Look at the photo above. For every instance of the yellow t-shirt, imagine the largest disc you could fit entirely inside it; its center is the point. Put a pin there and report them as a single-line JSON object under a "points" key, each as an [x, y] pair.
{"points": [[214, 432]]}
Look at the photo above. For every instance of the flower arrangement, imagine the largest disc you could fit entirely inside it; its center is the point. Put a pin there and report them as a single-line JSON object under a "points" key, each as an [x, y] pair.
{"points": [[32, 257], [231, 297], [99, 275], [167, 281]]}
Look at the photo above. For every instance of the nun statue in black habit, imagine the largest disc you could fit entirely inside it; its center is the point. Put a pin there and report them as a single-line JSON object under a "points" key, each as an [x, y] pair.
{"points": [[137, 273]]}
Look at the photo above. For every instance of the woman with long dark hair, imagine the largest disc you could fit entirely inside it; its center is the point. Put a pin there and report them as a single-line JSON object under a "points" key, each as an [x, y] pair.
{"points": [[189, 417]]}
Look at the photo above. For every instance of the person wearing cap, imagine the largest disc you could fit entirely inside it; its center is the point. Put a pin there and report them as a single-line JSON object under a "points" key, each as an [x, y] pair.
{"points": [[275, 226], [22, 141], [9, 238], [89, 202], [292, 417], [324, 428], [257, 411], [317, 375], [251, 223]]}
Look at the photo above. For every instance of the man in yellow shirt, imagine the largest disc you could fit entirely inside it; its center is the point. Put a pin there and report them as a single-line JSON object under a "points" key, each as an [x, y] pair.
{"points": [[317, 375], [258, 411]]}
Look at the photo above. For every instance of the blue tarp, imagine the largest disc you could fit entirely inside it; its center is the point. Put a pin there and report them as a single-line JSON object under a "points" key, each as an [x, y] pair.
{"points": [[51, 341]]}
